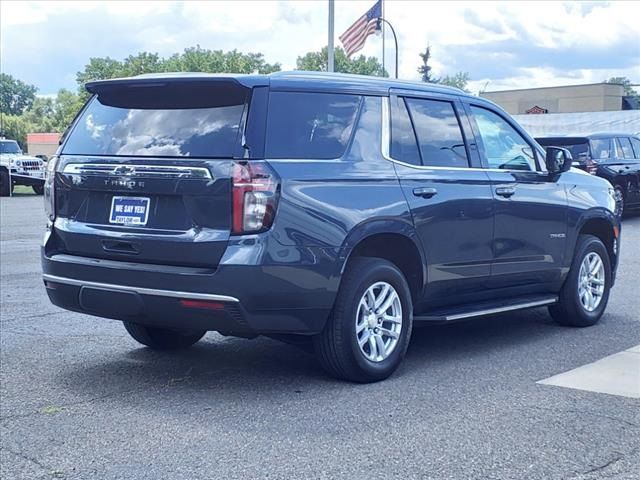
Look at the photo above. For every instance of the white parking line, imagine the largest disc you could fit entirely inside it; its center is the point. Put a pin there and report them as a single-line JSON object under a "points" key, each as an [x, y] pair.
{"points": [[617, 374]]}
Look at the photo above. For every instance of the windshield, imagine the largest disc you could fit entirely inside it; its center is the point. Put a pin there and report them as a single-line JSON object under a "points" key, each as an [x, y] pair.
{"points": [[160, 122], [10, 146]]}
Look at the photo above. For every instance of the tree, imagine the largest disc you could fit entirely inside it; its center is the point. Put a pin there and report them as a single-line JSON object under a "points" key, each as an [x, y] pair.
{"points": [[198, 59], [459, 80], [317, 62], [16, 128], [99, 68], [67, 104], [629, 91], [15, 95], [40, 115], [193, 59], [425, 68]]}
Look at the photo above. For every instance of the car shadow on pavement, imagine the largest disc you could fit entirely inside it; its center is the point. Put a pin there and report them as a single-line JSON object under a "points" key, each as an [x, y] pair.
{"points": [[240, 367]]}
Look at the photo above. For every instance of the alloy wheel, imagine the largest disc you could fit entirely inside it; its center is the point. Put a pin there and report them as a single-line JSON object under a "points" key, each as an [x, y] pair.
{"points": [[378, 321], [591, 281]]}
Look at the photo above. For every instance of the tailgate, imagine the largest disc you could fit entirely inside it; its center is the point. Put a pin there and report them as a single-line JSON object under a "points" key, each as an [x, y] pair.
{"points": [[148, 212]]}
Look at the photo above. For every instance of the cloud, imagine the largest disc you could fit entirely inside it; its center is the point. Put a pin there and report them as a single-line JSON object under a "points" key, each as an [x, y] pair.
{"points": [[506, 43]]}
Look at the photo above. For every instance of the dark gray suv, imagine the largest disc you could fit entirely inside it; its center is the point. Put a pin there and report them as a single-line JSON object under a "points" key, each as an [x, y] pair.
{"points": [[321, 209]]}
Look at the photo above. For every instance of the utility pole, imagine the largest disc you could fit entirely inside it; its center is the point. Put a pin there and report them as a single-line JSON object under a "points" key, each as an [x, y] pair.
{"points": [[330, 57]]}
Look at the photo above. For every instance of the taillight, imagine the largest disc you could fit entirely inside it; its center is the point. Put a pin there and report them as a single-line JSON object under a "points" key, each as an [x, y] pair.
{"points": [[591, 167], [49, 188], [255, 197]]}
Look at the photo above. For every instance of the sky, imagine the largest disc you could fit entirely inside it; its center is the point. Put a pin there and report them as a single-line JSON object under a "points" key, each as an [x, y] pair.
{"points": [[502, 45]]}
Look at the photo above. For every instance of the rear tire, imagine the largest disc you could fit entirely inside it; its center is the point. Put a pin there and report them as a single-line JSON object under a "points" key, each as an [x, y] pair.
{"points": [[383, 333], [6, 188], [583, 297], [163, 338], [38, 189]]}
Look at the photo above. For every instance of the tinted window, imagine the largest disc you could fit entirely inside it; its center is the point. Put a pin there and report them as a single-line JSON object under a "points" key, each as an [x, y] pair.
{"points": [[636, 146], [438, 132], [165, 122], [625, 146], [403, 139], [600, 149], [309, 125], [366, 144], [503, 146]]}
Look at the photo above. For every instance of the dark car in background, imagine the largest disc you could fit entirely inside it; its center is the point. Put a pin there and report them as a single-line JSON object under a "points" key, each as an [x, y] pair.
{"points": [[615, 157], [326, 209]]}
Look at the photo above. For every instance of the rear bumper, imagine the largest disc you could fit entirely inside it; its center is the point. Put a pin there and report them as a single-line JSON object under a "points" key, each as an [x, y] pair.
{"points": [[242, 300]]}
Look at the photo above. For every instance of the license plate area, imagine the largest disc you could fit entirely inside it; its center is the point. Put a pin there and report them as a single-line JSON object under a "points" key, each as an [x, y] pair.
{"points": [[130, 211]]}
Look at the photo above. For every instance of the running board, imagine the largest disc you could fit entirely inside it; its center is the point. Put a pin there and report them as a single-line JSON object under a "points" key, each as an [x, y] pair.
{"points": [[461, 312]]}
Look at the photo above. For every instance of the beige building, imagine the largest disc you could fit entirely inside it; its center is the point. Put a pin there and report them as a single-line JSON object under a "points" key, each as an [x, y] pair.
{"points": [[595, 97], [42, 143]]}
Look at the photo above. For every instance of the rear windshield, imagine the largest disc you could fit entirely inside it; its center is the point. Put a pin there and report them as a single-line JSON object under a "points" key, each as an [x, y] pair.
{"points": [[165, 121], [309, 125], [577, 146]]}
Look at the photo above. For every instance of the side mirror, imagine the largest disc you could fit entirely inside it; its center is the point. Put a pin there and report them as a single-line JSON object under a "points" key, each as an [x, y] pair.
{"points": [[558, 159]]}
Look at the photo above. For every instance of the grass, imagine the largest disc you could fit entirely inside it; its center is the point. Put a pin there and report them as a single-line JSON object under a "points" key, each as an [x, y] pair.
{"points": [[22, 189]]}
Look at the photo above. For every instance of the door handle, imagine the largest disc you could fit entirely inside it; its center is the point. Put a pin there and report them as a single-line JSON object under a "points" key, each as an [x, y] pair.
{"points": [[424, 192], [505, 191]]}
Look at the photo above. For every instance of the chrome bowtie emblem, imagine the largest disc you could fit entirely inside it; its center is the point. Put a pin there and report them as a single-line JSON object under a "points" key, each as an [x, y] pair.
{"points": [[124, 170]]}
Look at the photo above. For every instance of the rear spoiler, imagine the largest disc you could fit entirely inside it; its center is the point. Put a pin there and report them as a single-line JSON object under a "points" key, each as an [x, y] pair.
{"points": [[155, 80], [176, 92]]}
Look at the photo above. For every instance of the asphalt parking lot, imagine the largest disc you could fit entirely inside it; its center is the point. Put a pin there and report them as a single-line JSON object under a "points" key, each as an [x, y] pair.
{"points": [[81, 400]]}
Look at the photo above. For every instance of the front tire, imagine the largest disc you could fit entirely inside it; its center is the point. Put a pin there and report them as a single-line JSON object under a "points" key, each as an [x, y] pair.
{"points": [[5, 184], [38, 189], [163, 338], [368, 333], [585, 293]]}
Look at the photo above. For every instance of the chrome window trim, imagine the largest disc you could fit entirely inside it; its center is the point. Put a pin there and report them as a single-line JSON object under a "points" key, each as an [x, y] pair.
{"points": [[140, 290], [386, 153], [168, 171]]}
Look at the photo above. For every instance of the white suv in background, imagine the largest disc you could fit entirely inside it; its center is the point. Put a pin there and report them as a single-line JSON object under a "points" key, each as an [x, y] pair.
{"points": [[17, 168]]}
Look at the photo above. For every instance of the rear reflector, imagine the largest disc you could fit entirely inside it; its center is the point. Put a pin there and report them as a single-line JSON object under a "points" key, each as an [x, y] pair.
{"points": [[204, 304], [50, 285]]}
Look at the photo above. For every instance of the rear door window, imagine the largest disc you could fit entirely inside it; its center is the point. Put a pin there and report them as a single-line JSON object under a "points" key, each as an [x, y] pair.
{"points": [[636, 146], [600, 149], [625, 147], [504, 147], [310, 125], [404, 146], [438, 132], [175, 121]]}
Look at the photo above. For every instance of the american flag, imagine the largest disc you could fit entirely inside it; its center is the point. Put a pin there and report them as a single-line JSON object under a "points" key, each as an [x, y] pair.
{"points": [[355, 36]]}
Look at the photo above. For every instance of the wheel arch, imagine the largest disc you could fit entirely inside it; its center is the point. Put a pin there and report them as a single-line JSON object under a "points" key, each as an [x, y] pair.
{"points": [[603, 225], [395, 241]]}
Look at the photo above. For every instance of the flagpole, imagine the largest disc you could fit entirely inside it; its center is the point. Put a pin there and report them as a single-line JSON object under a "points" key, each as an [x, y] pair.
{"points": [[382, 21], [383, 49], [330, 57]]}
